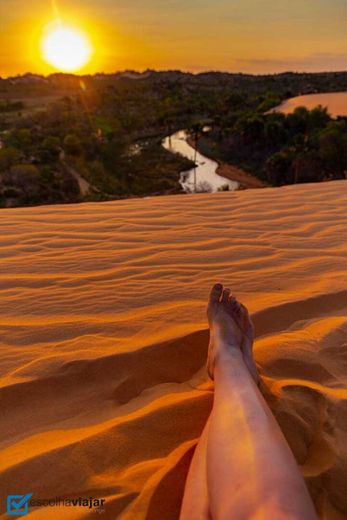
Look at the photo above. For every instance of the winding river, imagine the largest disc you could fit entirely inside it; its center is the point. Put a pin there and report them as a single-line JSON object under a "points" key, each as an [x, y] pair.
{"points": [[207, 178]]}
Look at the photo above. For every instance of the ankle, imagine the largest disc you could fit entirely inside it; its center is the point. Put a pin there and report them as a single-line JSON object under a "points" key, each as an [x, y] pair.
{"points": [[221, 339], [228, 352], [229, 360]]}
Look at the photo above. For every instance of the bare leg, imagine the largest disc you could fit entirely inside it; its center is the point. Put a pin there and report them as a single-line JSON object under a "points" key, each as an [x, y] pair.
{"points": [[251, 472], [195, 505]]}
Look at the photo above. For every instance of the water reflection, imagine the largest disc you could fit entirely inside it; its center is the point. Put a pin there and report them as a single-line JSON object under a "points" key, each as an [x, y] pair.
{"points": [[204, 176]]}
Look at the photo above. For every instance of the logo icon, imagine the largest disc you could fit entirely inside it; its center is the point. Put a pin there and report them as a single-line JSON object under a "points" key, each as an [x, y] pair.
{"points": [[18, 505]]}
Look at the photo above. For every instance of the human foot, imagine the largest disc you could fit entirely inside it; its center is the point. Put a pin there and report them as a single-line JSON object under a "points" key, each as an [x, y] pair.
{"points": [[230, 328]]}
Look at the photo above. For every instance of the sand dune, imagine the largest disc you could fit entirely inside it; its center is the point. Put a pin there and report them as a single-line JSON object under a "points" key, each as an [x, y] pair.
{"points": [[103, 389], [335, 102]]}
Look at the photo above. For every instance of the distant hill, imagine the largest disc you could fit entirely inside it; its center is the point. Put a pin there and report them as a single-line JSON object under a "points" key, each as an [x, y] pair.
{"points": [[295, 82]]}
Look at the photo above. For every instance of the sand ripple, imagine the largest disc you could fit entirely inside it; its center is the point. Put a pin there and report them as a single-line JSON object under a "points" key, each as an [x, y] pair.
{"points": [[103, 340]]}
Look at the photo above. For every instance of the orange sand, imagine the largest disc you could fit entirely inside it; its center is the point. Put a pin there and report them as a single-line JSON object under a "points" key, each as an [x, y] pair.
{"points": [[335, 102], [103, 389], [234, 173]]}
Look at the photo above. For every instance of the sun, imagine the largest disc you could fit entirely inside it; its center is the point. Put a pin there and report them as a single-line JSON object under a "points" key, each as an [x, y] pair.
{"points": [[66, 48]]}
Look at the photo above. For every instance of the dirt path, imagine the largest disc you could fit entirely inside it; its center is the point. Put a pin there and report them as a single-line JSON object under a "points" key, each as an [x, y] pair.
{"points": [[246, 180], [233, 173], [84, 185]]}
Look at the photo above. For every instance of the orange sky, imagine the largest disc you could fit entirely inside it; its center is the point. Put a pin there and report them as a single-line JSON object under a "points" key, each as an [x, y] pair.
{"points": [[235, 35]]}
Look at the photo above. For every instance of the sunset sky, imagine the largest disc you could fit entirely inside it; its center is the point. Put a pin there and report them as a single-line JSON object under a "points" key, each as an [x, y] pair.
{"points": [[257, 36]]}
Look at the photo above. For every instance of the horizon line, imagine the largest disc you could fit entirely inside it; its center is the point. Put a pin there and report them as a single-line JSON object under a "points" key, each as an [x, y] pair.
{"points": [[141, 72]]}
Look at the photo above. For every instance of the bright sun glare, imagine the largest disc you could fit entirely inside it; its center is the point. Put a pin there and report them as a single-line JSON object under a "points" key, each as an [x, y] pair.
{"points": [[66, 48]]}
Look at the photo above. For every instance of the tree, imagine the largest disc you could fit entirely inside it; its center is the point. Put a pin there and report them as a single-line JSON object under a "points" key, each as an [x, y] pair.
{"points": [[274, 131], [8, 157], [307, 167], [24, 175], [318, 118], [298, 121], [72, 144], [23, 137], [278, 168], [271, 100], [333, 149], [236, 100], [50, 148], [23, 181], [300, 149], [251, 127]]}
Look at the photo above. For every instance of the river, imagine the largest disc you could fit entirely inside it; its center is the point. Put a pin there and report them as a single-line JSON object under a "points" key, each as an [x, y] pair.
{"points": [[206, 177]]}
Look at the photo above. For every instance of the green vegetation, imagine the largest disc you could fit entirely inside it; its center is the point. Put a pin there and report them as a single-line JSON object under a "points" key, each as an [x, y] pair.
{"points": [[305, 146], [7, 105], [68, 139], [101, 138]]}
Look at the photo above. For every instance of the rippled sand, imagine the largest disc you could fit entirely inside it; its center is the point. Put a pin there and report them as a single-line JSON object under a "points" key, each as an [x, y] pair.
{"points": [[103, 340], [335, 102]]}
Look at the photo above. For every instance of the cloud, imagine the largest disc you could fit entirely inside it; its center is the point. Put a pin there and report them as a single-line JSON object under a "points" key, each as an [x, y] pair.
{"points": [[314, 62]]}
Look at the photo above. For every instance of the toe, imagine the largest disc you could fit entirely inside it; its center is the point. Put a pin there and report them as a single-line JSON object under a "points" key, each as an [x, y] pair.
{"points": [[244, 312], [216, 292], [234, 303], [238, 307], [225, 295]]}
